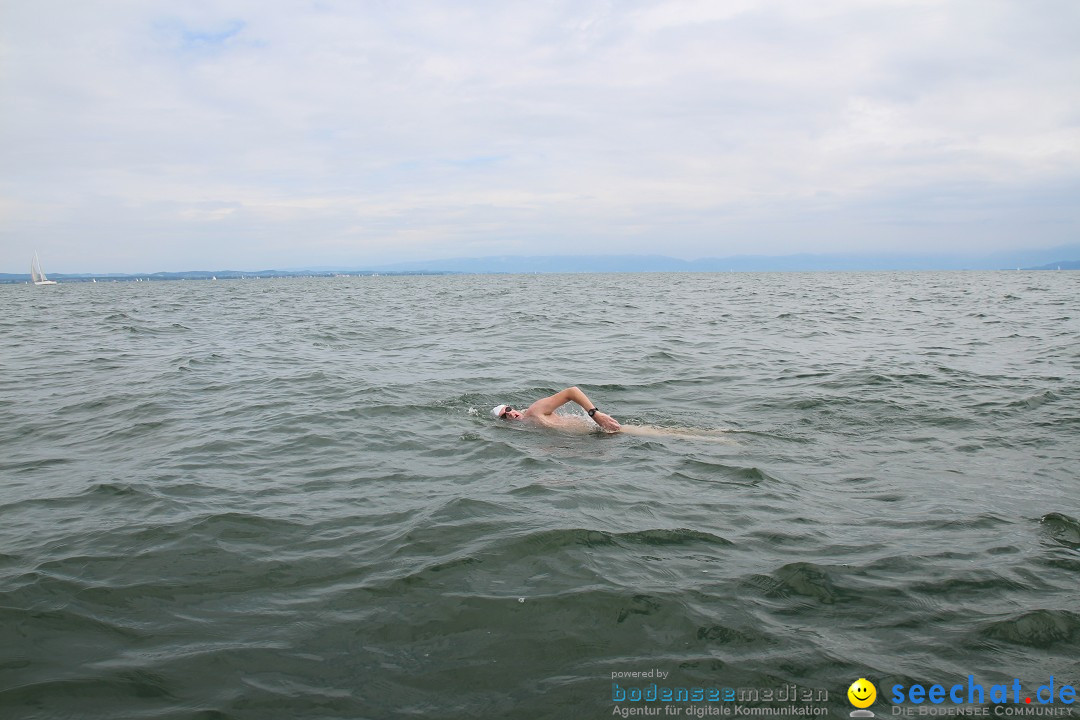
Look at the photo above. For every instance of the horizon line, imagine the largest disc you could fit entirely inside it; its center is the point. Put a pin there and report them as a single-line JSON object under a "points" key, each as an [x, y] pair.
{"points": [[622, 263]]}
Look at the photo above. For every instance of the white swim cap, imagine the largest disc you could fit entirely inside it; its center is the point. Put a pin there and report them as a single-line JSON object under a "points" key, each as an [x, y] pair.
{"points": [[497, 411]]}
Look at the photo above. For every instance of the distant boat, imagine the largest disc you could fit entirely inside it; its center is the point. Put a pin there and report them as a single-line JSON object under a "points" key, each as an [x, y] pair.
{"points": [[36, 275]]}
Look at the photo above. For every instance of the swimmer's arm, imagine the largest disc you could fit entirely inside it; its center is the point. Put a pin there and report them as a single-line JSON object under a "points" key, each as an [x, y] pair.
{"points": [[548, 405]]}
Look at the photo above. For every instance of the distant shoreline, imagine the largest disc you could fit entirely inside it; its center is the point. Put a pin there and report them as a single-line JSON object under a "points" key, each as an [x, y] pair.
{"points": [[1040, 259], [16, 279], [21, 279]]}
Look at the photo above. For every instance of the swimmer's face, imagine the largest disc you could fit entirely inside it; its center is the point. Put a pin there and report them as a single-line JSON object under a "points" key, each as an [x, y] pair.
{"points": [[862, 693], [511, 414]]}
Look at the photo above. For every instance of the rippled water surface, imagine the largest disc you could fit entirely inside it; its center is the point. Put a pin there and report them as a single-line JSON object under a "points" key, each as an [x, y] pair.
{"points": [[286, 499]]}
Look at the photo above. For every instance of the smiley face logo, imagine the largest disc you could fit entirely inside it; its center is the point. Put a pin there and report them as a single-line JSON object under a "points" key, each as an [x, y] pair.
{"points": [[862, 693]]}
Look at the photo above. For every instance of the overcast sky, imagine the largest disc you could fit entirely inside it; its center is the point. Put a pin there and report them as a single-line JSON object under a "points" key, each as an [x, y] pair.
{"points": [[138, 135]]}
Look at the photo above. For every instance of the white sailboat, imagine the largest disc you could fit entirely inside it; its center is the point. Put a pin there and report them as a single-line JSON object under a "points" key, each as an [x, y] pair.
{"points": [[36, 275]]}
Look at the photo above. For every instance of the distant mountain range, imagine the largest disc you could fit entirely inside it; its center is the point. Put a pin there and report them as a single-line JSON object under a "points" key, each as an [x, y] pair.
{"points": [[1025, 259], [1029, 260]]}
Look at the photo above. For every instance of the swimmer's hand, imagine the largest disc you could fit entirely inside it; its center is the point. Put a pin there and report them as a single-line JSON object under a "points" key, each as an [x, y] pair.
{"points": [[606, 421]]}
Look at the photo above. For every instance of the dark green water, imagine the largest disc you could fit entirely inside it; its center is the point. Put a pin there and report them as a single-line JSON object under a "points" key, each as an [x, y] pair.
{"points": [[285, 499]]}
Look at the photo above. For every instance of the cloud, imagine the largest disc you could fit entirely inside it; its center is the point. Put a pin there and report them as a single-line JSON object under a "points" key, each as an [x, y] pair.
{"points": [[146, 135]]}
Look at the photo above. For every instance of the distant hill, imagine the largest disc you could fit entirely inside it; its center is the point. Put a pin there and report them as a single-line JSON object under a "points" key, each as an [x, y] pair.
{"points": [[1059, 265]]}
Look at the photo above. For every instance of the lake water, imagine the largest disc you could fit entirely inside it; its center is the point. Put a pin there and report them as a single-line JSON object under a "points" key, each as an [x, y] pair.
{"points": [[286, 498]]}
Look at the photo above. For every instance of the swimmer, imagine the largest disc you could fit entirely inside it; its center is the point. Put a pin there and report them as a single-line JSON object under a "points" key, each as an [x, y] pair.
{"points": [[542, 412]]}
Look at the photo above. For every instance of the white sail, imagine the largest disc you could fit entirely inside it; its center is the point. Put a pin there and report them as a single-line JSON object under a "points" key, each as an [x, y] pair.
{"points": [[36, 275]]}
